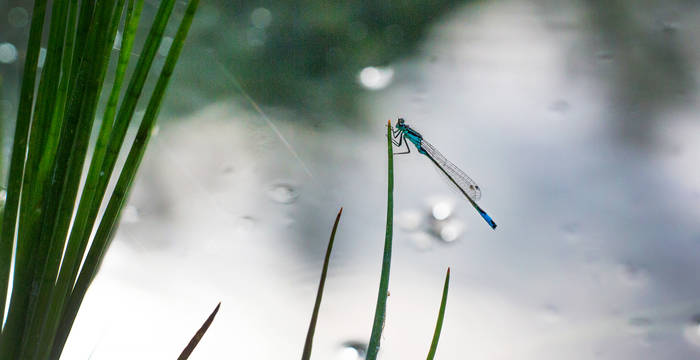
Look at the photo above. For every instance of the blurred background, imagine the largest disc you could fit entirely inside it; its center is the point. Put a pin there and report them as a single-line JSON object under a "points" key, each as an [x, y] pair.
{"points": [[577, 118]]}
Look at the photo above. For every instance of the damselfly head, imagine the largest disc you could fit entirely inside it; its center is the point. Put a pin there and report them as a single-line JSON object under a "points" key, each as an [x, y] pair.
{"points": [[400, 122]]}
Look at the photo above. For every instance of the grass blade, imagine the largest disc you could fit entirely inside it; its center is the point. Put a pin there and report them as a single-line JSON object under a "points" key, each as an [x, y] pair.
{"points": [[67, 174], [87, 212], [16, 174], [117, 201], [198, 335], [380, 311], [133, 93], [441, 316], [306, 355]]}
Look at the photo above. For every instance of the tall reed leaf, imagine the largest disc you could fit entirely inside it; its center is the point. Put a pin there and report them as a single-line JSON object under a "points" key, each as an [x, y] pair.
{"points": [[19, 148], [306, 354], [441, 316], [380, 311]]}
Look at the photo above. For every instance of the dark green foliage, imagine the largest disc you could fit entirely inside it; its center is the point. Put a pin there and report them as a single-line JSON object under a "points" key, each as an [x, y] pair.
{"points": [[309, 55]]}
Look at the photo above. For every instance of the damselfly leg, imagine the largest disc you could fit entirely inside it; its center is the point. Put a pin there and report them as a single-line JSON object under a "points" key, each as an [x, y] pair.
{"points": [[401, 139]]}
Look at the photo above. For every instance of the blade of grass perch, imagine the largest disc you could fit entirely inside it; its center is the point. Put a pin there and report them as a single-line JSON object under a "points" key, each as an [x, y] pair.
{"points": [[198, 335], [15, 175], [306, 355], [380, 311], [109, 220], [441, 316]]}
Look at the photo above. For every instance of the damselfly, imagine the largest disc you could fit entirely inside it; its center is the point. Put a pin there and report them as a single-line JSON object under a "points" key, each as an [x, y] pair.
{"points": [[403, 133]]}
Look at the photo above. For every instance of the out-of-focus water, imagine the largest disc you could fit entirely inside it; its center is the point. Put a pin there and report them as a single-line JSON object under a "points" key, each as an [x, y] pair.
{"points": [[577, 119]]}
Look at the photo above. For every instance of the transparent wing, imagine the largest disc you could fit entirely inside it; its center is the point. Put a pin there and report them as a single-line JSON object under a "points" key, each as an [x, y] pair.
{"points": [[460, 178]]}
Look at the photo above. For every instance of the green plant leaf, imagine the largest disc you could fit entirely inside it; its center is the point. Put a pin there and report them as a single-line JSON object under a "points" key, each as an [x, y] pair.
{"points": [[10, 340], [52, 134], [441, 316], [67, 171], [306, 355], [109, 221], [380, 311]]}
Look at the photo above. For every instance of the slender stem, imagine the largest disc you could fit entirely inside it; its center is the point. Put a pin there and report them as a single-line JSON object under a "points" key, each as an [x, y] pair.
{"points": [[380, 312], [198, 335], [441, 316], [306, 355]]}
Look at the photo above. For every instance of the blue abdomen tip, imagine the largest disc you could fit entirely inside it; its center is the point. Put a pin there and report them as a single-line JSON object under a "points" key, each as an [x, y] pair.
{"points": [[488, 219]]}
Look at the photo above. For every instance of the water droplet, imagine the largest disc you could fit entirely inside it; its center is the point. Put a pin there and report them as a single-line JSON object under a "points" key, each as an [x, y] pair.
{"points": [[227, 169], [130, 215], [376, 78], [245, 224], [669, 27], [639, 324], [18, 17], [165, 46], [261, 18], [691, 331], [571, 233], [352, 350], [632, 275], [605, 55], [551, 314], [409, 220], [155, 130], [560, 106], [451, 231], [442, 210], [3, 197], [283, 193], [8, 53], [102, 173]]}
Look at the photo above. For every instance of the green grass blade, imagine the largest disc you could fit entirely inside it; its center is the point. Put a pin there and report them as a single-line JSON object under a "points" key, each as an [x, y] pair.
{"points": [[9, 340], [441, 316], [35, 179], [67, 173], [380, 311], [117, 200], [133, 92], [85, 19], [133, 15], [198, 335], [306, 355], [69, 48], [87, 212]]}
